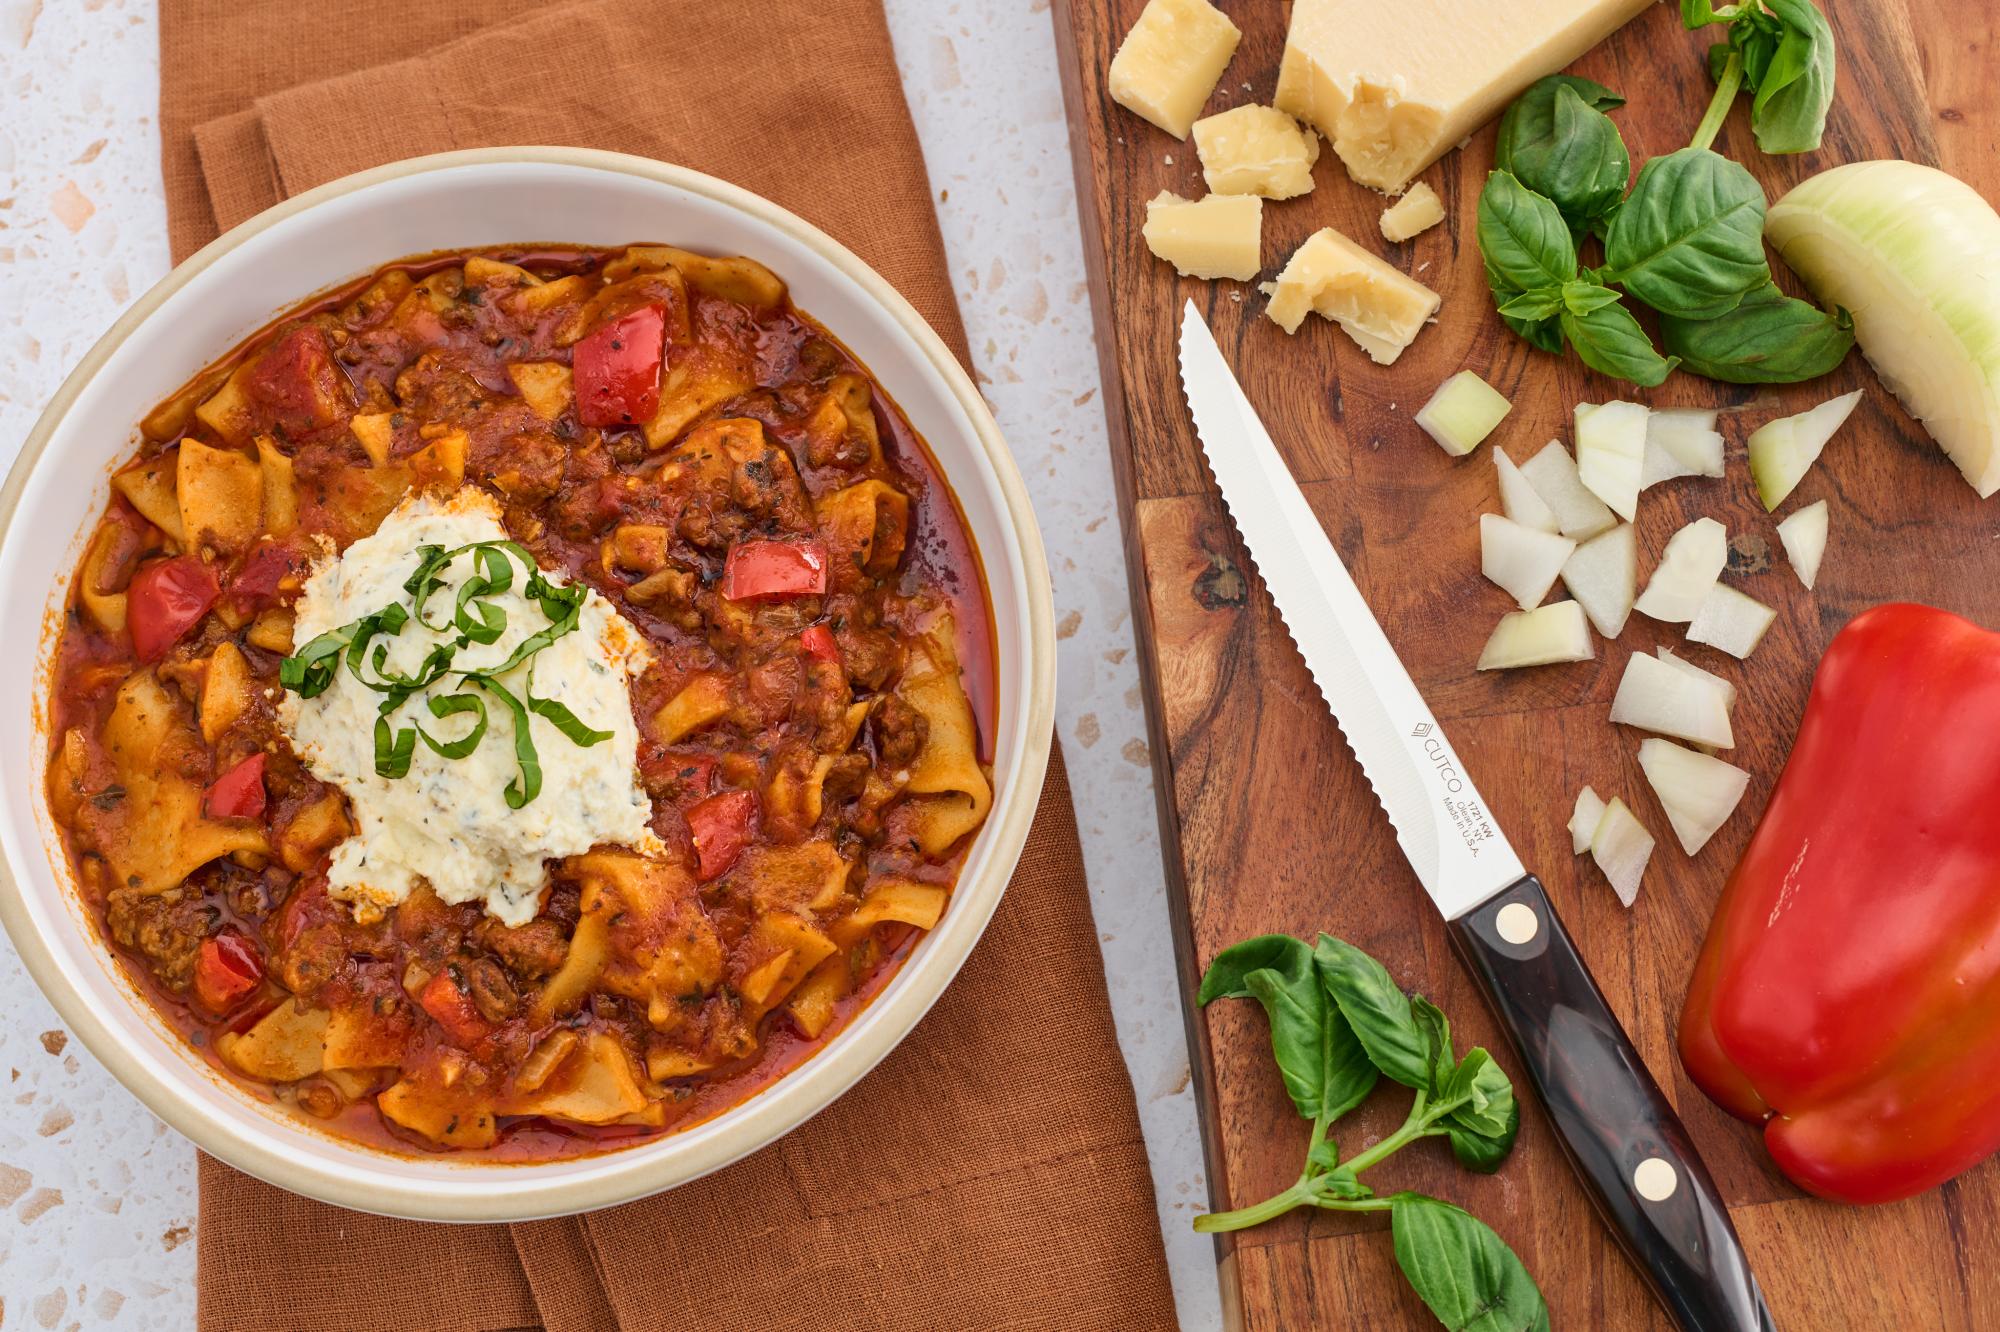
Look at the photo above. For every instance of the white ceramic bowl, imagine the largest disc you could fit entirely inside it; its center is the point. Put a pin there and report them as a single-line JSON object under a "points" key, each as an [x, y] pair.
{"points": [[328, 236]]}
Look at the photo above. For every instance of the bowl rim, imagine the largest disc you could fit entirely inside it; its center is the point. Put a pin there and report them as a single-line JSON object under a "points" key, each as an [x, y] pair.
{"points": [[514, 1192]]}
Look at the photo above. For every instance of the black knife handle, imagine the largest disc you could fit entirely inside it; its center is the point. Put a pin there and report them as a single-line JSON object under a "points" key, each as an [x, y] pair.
{"points": [[1624, 1139]]}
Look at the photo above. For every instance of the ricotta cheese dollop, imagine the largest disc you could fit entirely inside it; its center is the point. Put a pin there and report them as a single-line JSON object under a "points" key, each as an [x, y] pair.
{"points": [[447, 820]]}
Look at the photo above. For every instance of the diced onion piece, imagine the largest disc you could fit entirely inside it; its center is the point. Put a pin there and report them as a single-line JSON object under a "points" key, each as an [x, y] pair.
{"points": [[1782, 450], [1682, 441], [1553, 633], [1521, 560], [1462, 412], [1698, 791], [1728, 690], [1611, 452], [1602, 575], [1583, 819], [1580, 515], [1913, 254], [1518, 499], [1804, 537], [1654, 696], [1621, 846], [1688, 567], [1730, 620]]}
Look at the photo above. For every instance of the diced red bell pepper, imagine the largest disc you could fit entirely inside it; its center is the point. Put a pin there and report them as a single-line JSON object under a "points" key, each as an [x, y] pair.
{"points": [[759, 569], [818, 641], [256, 584], [227, 968], [616, 369], [168, 598], [238, 793], [721, 829], [444, 997]]}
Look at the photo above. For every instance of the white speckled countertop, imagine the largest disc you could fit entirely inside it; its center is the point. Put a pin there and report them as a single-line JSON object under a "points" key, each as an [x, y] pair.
{"points": [[97, 1198]]}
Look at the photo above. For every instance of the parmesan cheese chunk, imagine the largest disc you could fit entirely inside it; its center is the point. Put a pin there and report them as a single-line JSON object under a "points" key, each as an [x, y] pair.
{"points": [[1256, 150], [1418, 210], [1168, 64], [1220, 236], [1394, 86], [1379, 307]]}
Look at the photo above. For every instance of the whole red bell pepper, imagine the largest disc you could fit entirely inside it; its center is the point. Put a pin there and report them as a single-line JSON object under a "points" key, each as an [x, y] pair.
{"points": [[1848, 993]]}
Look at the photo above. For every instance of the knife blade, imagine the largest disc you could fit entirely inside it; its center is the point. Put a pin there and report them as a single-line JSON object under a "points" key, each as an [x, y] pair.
{"points": [[1620, 1133]]}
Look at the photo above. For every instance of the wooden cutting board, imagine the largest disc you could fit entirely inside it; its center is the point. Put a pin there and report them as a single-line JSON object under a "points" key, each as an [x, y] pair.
{"points": [[1267, 823]]}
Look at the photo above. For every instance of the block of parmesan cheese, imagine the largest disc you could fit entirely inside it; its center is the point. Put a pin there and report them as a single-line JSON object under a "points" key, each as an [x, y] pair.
{"points": [[1168, 64], [1376, 305], [1418, 210], [1220, 236], [1256, 150], [1393, 86]]}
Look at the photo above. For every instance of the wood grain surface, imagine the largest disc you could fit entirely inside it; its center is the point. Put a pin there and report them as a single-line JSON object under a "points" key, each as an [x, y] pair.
{"points": [[1267, 823]]}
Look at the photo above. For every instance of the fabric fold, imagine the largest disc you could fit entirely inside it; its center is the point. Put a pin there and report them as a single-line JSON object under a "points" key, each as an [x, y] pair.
{"points": [[990, 1172]]}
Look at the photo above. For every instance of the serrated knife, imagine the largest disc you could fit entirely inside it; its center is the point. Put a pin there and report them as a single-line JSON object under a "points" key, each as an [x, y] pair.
{"points": [[1619, 1132]]}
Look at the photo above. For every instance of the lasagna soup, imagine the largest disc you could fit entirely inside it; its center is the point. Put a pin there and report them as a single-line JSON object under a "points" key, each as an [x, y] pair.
{"points": [[524, 702]]}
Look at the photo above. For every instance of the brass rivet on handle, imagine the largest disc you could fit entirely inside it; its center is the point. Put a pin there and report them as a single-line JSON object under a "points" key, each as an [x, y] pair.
{"points": [[1517, 922], [1655, 1179]]}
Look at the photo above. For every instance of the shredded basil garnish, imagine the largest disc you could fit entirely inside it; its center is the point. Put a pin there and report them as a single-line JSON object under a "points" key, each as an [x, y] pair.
{"points": [[311, 670]]}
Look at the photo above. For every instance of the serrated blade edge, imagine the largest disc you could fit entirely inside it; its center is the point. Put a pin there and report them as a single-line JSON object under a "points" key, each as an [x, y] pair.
{"points": [[1441, 822]]}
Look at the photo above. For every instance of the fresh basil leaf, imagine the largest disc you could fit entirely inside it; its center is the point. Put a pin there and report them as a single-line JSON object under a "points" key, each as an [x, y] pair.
{"points": [[1557, 142], [1378, 1012], [1484, 1094], [1699, 14], [1689, 241], [1532, 305], [1545, 334], [1522, 237], [1770, 338], [393, 749], [1436, 1029], [448, 705], [526, 784], [1325, 1070], [1478, 1152], [1611, 342], [1581, 297], [1464, 1272], [1341, 1183], [1794, 90]]}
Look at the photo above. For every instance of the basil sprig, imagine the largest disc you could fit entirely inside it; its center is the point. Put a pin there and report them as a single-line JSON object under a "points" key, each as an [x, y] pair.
{"points": [[1338, 1025], [1687, 241], [1781, 51], [475, 618]]}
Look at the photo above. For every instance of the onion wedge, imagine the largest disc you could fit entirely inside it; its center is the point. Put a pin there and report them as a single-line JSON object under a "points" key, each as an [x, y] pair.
{"points": [[1580, 515], [1681, 441], [1914, 255], [1583, 819], [1518, 499], [1602, 574], [1804, 537], [1666, 700], [1731, 620], [1688, 567], [1462, 413], [1781, 451], [1554, 633], [1521, 560], [1699, 792], [1726, 689], [1621, 846], [1611, 452]]}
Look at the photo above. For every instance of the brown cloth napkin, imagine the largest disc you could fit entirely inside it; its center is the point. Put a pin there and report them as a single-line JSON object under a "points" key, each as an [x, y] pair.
{"points": [[990, 1172]]}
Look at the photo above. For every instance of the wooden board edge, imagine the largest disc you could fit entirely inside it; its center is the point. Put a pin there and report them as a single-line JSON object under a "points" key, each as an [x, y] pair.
{"points": [[1187, 966]]}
